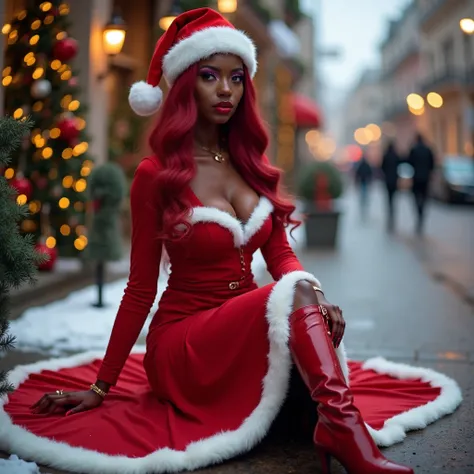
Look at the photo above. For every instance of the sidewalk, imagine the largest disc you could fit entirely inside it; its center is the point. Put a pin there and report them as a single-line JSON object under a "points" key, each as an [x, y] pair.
{"points": [[447, 246]]}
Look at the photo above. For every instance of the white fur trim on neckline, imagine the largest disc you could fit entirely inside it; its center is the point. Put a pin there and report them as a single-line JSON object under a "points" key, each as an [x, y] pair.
{"points": [[205, 43], [241, 232]]}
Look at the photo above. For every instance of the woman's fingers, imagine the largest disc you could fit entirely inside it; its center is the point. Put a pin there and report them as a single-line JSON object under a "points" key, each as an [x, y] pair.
{"points": [[337, 324], [37, 403], [78, 409], [50, 401], [43, 404], [342, 326], [59, 401]]}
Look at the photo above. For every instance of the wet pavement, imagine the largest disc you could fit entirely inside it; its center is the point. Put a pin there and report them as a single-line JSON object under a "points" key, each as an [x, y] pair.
{"points": [[395, 308]]}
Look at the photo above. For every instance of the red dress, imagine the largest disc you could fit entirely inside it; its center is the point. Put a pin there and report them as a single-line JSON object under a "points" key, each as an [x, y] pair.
{"points": [[216, 368]]}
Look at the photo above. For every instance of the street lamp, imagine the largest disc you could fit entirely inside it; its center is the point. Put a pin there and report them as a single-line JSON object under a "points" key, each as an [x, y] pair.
{"points": [[435, 100], [415, 101], [166, 21], [114, 35], [113, 38], [227, 6], [467, 25]]}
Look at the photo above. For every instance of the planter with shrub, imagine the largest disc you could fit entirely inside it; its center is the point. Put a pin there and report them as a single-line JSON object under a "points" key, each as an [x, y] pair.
{"points": [[320, 185]]}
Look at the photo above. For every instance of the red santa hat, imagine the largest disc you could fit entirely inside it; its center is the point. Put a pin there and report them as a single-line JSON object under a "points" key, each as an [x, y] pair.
{"points": [[193, 35]]}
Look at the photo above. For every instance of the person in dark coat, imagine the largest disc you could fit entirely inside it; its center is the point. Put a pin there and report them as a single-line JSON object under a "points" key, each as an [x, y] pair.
{"points": [[363, 178], [421, 157], [390, 163]]}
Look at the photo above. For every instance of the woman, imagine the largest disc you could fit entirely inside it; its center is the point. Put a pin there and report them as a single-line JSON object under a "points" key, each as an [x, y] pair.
{"points": [[219, 349]]}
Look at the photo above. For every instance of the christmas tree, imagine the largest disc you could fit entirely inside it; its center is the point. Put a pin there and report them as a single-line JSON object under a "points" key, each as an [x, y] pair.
{"points": [[17, 258], [50, 170]]}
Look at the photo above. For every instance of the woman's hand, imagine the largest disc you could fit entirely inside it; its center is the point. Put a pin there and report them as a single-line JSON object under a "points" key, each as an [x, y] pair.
{"points": [[335, 320], [74, 402]]}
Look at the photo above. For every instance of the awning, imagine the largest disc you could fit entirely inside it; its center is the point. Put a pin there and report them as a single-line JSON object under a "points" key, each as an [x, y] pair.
{"points": [[307, 112]]}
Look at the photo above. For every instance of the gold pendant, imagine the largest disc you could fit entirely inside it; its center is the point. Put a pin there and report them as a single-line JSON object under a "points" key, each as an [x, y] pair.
{"points": [[219, 158]]}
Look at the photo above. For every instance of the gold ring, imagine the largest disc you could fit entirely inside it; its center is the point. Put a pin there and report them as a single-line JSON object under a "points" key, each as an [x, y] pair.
{"points": [[59, 392]]}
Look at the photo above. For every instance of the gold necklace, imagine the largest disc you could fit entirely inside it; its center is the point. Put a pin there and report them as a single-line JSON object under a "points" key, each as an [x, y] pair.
{"points": [[218, 156]]}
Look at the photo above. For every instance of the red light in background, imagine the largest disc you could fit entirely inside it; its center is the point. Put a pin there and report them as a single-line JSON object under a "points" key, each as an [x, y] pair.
{"points": [[354, 153]]}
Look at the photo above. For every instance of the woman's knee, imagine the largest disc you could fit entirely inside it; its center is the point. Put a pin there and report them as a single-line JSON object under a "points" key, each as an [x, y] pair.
{"points": [[304, 295]]}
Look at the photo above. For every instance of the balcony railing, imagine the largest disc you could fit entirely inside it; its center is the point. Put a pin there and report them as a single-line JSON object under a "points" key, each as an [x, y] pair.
{"points": [[433, 11], [412, 50], [448, 80]]}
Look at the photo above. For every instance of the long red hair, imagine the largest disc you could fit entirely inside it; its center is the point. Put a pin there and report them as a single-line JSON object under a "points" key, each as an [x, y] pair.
{"points": [[172, 141]]}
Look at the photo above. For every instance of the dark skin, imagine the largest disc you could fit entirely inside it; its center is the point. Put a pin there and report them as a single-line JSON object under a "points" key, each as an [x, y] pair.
{"points": [[220, 79]]}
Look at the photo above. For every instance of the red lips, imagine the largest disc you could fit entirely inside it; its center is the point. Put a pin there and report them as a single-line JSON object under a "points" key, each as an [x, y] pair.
{"points": [[224, 108], [224, 105]]}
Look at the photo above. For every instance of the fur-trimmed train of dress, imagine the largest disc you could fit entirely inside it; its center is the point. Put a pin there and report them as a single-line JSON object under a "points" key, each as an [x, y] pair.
{"points": [[134, 432]]}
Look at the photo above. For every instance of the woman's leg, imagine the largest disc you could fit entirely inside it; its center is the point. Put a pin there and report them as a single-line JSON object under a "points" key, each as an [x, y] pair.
{"points": [[340, 431]]}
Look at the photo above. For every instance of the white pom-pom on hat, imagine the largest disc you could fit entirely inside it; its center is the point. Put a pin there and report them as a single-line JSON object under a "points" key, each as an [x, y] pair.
{"points": [[145, 99], [193, 35]]}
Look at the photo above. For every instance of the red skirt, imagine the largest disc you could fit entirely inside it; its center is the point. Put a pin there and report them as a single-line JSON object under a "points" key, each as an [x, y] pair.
{"points": [[219, 378]]}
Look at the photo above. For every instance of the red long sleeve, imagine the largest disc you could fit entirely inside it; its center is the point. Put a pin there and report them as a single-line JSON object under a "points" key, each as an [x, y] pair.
{"points": [[144, 268], [278, 254]]}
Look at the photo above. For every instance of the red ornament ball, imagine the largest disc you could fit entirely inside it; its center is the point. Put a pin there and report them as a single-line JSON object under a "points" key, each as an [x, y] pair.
{"points": [[22, 185], [97, 205], [52, 255], [41, 183], [65, 49], [69, 131]]}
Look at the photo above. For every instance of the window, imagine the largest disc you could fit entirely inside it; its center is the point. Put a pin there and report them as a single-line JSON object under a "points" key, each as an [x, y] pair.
{"points": [[432, 63], [468, 59], [448, 56], [443, 132], [459, 134]]}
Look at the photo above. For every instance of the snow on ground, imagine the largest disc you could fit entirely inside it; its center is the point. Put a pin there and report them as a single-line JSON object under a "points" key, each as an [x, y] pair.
{"points": [[15, 465]]}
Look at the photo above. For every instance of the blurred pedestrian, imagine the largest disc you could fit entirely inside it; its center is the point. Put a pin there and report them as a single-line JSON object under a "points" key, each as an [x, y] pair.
{"points": [[421, 158], [390, 163], [363, 179]]}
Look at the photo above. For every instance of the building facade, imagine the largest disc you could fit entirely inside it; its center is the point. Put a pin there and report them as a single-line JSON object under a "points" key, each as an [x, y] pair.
{"points": [[448, 69], [364, 104], [402, 75]]}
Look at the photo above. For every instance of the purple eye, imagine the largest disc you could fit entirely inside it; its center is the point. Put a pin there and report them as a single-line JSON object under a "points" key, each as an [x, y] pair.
{"points": [[238, 78], [207, 74]]}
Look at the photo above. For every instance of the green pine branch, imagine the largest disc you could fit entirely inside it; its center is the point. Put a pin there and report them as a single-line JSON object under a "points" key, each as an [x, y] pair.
{"points": [[11, 134], [18, 259]]}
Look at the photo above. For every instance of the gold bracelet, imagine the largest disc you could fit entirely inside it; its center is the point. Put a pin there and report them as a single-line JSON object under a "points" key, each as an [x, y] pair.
{"points": [[97, 390]]}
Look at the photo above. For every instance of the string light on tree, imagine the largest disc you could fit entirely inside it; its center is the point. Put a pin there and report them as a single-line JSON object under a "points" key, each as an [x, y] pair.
{"points": [[39, 79]]}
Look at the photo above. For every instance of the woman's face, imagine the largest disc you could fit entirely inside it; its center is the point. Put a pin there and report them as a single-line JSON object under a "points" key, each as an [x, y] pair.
{"points": [[219, 87]]}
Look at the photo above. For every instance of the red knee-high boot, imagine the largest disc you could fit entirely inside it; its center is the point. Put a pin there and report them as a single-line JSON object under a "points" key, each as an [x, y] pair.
{"points": [[340, 431]]}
